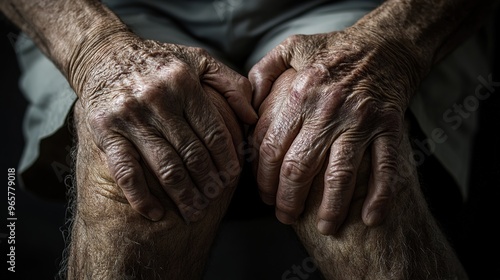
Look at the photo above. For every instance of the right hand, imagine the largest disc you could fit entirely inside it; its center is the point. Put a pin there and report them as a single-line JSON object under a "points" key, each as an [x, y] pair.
{"points": [[348, 96], [148, 104]]}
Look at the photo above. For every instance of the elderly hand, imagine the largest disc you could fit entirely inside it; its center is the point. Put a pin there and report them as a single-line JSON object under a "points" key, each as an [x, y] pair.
{"points": [[148, 105], [349, 95]]}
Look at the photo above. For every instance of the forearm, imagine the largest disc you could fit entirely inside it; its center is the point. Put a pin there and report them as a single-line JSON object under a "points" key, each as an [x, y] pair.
{"points": [[431, 28], [66, 31]]}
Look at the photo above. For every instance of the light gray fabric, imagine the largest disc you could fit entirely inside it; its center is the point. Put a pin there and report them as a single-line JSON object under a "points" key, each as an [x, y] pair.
{"points": [[326, 18], [49, 99]]}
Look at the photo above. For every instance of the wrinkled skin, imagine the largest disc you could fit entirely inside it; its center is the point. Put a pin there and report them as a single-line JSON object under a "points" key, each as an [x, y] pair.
{"points": [[148, 106], [349, 94]]}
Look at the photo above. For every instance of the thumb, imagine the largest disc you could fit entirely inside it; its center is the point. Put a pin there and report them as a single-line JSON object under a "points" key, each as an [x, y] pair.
{"points": [[235, 88], [266, 71]]}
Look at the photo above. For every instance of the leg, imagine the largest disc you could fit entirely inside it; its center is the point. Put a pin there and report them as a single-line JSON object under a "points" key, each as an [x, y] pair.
{"points": [[111, 241], [409, 245]]}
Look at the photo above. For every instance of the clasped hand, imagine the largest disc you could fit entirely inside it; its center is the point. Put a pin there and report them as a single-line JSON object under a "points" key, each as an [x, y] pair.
{"points": [[148, 105], [348, 95], [153, 106]]}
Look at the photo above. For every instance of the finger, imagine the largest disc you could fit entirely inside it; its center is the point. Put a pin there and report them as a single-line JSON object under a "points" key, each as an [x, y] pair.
{"points": [[340, 180], [384, 176], [195, 156], [263, 74], [190, 152], [301, 164], [169, 166], [217, 105], [123, 163], [235, 88], [212, 130], [269, 108], [194, 132], [256, 135], [273, 148]]}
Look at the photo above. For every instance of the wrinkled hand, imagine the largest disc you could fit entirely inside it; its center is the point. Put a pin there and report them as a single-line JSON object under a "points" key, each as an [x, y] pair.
{"points": [[148, 105], [349, 95]]}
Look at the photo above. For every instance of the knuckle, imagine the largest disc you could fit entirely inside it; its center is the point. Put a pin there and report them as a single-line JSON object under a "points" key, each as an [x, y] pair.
{"points": [[101, 121], [298, 94], [124, 174], [387, 165], [318, 73], [295, 171], [384, 196], [243, 84], [214, 138], [269, 151], [98, 120], [339, 179], [172, 174], [150, 93], [124, 104], [310, 83], [123, 111], [101, 136], [197, 161], [116, 152], [178, 75]]}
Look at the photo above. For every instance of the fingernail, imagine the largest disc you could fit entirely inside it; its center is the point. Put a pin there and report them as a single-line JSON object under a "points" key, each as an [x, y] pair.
{"points": [[326, 227], [285, 217], [156, 214]]}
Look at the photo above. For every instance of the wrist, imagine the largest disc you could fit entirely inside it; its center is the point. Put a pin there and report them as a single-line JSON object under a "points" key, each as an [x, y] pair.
{"points": [[427, 28], [96, 48], [398, 66], [399, 43]]}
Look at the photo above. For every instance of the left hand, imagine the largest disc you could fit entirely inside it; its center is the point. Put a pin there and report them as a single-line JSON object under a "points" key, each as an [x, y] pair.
{"points": [[349, 94]]}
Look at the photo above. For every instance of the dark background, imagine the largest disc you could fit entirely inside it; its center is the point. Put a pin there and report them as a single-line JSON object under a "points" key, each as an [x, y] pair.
{"points": [[39, 241], [471, 226]]}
